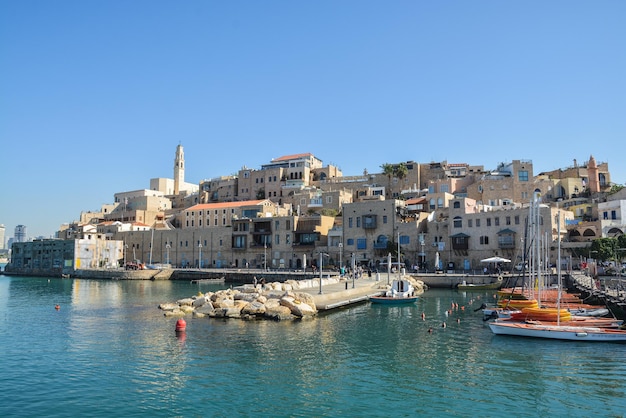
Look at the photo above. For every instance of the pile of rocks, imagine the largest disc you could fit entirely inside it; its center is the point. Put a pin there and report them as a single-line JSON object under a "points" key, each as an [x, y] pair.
{"points": [[278, 301]]}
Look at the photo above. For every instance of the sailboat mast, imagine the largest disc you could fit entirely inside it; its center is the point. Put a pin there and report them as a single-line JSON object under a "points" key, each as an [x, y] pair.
{"points": [[399, 274], [558, 268]]}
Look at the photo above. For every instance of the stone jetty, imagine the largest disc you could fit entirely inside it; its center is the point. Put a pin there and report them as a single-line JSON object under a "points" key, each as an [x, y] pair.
{"points": [[289, 300]]}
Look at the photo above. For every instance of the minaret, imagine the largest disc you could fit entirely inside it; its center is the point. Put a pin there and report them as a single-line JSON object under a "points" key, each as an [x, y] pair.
{"points": [[179, 169], [592, 172]]}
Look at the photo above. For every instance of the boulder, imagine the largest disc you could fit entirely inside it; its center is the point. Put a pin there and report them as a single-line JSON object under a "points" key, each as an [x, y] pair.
{"points": [[169, 306], [278, 313], [253, 308], [185, 302], [205, 309]]}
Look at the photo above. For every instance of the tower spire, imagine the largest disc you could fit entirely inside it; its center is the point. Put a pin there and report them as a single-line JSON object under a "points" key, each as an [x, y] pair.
{"points": [[179, 169]]}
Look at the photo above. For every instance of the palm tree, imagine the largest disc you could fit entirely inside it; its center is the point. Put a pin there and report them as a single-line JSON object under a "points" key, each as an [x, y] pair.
{"points": [[401, 172], [388, 170]]}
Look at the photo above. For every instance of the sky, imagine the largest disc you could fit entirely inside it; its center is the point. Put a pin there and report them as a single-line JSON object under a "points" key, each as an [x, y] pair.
{"points": [[96, 95]]}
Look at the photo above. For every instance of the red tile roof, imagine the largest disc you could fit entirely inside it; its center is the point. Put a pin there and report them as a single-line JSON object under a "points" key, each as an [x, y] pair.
{"points": [[221, 205], [292, 157]]}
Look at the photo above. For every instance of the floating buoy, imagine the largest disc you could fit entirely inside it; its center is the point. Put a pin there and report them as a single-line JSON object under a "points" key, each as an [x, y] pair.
{"points": [[181, 325], [57, 307]]}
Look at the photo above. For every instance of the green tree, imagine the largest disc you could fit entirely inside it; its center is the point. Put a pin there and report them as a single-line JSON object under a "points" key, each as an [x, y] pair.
{"points": [[388, 171], [603, 249]]}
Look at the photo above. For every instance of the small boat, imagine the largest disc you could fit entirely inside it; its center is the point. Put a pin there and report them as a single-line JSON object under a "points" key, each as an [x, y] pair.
{"points": [[401, 292], [484, 286], [553, 323], [558, 332]]}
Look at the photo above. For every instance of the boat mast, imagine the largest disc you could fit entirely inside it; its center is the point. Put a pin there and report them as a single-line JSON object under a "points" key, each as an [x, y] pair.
{"points": [[558, 268], [399, 274]]}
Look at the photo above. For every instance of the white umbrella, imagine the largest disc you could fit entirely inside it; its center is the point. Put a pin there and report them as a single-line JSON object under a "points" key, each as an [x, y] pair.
{"points": [[437, 260], [495, 259]]}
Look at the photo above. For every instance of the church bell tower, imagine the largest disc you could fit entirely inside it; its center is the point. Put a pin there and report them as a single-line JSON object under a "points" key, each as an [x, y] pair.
{"points": [[179, 169]]}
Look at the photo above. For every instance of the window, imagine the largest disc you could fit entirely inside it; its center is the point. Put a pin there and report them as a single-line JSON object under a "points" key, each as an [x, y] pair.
{"points": [[369, 221], [508, 220], [349, 222], [350, 241], [288, 239], [477, 223], [358, 221], [384, 219], [276, 239], [469, 223], [516, 219], [497, 220], [457, 222], [484, 240], [456, 205], [404, 240], [361, 243], [522, 175], [488, 221]]}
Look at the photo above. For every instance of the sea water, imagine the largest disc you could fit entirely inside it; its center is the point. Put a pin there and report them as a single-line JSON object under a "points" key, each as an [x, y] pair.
{"points": [[109, 351]]}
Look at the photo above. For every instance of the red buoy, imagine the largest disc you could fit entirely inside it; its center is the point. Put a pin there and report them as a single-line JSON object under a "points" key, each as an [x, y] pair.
{"points": [[181, 325], [57, 307]]}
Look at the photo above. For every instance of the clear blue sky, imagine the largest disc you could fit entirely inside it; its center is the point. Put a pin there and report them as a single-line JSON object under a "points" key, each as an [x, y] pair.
{"points": [[95, 95]]}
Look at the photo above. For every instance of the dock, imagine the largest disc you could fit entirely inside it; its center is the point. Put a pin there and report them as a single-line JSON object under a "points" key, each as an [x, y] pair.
{"points": [[341, 294]]}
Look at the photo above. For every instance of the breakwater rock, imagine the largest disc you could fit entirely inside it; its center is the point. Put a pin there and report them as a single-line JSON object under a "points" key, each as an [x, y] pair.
{"points": [[278, 301]]}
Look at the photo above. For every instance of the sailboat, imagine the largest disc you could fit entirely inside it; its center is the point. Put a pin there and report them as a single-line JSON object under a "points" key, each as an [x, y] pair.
{"points": [[556, 330], [401, 292]]}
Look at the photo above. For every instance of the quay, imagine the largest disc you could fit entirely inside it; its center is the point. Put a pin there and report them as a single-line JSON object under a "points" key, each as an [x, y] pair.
{"points": [[346, 292], [608, 291]]}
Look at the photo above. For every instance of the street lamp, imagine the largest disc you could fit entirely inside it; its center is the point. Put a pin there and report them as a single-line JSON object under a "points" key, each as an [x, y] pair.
{"points": [[353, 269], [167, 250], [340, 259], [321, 255], [200, 254], [265, 256]]}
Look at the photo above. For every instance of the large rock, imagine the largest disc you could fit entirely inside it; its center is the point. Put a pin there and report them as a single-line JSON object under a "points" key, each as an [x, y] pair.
{"points": [[226, 313], [169, 306], [254, 308], [205, 309], [185, 302], [297, 307], [278, 313], [199, 301]]}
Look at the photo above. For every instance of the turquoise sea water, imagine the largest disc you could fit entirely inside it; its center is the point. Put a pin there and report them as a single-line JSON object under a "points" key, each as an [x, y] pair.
{"points": [[109, 351]]}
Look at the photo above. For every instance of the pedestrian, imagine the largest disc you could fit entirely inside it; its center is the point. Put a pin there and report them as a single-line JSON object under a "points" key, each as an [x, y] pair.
{"points": [[254, 281]]}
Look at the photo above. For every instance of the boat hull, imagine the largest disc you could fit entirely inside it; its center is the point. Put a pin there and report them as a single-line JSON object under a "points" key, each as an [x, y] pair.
{"points": [[390, 300], [553, 332]]}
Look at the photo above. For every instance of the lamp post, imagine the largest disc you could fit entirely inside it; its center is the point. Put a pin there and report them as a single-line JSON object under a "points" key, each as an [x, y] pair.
{"points": [[340, 259], [353, 269], [388, 267], [125, 250], [167, 250], [321, 255], [264, 256], [423, 255], [199, 254]]}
